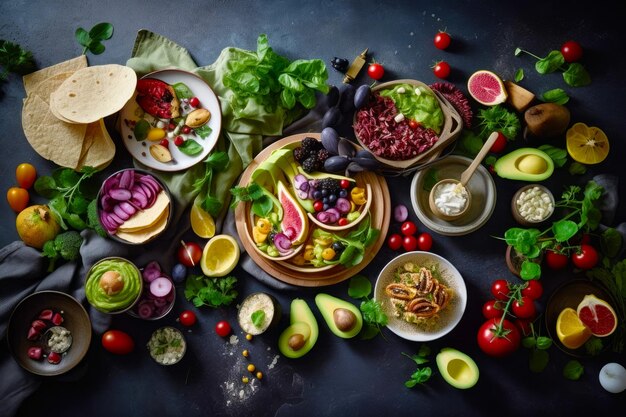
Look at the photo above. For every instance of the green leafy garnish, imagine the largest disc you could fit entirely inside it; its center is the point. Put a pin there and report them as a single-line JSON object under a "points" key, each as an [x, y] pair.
{"points": [[469, 144], [212, 292], [519, 75], [258, 317], [191, 147], [558, 155], [92, 41], [203, 131], [354, 242], [594, 346], [556, 95], [373, 318], [141, 129], [422, 374], [14, 59], [538, 346], [550, 63], [574, 74], [182, 91], [498, 119], [576, 168], [359, 287], [215, 162], [262, 203], [573, 370]]}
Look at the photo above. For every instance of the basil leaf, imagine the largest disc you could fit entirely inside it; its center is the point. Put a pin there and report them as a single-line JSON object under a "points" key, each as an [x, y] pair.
{"points": [[287, 99], [550, 63], [576, 168], [141, 129], [530, 270], [258, 317], [182, 91], [543, 343], [191, 147], [558, 155], [96, 48], [538, 360], [576, 75], [556, 95], [359, 287], [519, 75], [564, 230], [573, 370], [262, 206], [101, 31], [203, 132], [529, 342], [82, 36]]}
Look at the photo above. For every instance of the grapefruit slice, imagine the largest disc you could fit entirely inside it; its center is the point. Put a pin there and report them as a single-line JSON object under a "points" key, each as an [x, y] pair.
{"points": [[486, 88], [295, 223], [597, 315], [587, 145], [570, 330]]}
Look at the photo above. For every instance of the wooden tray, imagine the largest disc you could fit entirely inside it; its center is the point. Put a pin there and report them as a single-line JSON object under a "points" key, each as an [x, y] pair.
{"points": [[380, 213], [452, 126]]}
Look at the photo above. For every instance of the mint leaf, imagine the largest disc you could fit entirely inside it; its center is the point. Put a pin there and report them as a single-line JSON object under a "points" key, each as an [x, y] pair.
{"points": [[258, 317], [359, 287]]}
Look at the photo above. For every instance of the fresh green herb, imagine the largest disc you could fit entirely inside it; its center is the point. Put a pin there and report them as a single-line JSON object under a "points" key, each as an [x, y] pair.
{"points": [[141, 130], [355, 244], [359, 287], [538, 346], [573, 370], [556, 95], [64, 246], [71, 194], [190, 147], [498, 119], [430, 179], [519, 75], [422, 374], [92, 41], [574, 74], [576, 168], [258, 317], [14, 59], [203, 131], [558, 155], [262, 203], [182, 91], [373, 315], [594, 346], [468, 145], [215, 162], [550, 63], [212, 292]]}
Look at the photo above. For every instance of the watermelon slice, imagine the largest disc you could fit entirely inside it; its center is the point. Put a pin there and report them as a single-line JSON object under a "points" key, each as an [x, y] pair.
{"points": [[486, 88]]}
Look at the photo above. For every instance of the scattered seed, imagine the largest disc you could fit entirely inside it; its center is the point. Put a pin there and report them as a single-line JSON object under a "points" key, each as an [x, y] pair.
{"points": [[245, 380], [245, 353], [248, 336], [259, 375], [251, 368]]}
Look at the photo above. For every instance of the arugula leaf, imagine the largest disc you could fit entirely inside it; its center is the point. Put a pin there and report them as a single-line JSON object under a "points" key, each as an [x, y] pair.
{"points": [[212, 292], [556, 95], [359, 287], [91, 41]]}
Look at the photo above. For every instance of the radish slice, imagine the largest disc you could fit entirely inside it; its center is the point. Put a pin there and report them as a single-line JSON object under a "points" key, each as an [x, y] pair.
{"points": [[161, 286], [46, 314], [323, 217], [107, 203], [299, 180], [128, 208], [302, 194], [153, 265], [38, 325], [160, 302], [400, 213], [333, 214]]}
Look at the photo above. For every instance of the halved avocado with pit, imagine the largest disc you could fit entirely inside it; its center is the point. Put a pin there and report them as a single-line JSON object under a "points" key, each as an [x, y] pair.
{"points": [[300, 337], [343, 318], [525, 164]]}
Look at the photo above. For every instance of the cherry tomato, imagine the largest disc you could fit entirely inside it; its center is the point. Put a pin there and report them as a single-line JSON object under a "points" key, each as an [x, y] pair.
{"points": [[409, 243], [524, 326], [586, 257], [424, 242], [500, 143], [500, 289], [186, 130], [318, 205], [25, 174], [441, 69], [179, 140], [189, 253], [492, 309], [555, 260], [222, 328], [187, 318], [408, 228], [414, 124], [194, 102], [442, 40], [344, 183], [394, 241], [342, 221], [375, 71], [118, 342], [17, 198], [533, 289], [524, 308], [572, 51], [498, 345], [165, 143]]}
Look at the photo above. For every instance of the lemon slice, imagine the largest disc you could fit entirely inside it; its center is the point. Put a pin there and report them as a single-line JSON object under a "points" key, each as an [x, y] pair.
{"points": [[220, 256], [202, 223], [570, 330], [587, 145]]}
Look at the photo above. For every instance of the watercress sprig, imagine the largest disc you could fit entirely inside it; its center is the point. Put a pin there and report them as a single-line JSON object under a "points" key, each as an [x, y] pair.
{"points": [[373, 315], [423, 373], [574, 74], [92, 41]]}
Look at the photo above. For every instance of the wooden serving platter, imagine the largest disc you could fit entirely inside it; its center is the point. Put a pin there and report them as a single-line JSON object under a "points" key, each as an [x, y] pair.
{"points": [[380, 212]]}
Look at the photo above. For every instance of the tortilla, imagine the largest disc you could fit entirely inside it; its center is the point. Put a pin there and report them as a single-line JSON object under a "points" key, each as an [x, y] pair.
{"points": [[46, 87], [100, 151], [50, 137], [93, 93], [31, 80], [143, 220], [146, 234]]}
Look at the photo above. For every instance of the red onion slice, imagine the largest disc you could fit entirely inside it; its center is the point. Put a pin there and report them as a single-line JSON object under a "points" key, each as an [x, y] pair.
{"points": [[145, 309], [161, 286], [282, 242], [400, 213], [120, 194], [343, 205]]}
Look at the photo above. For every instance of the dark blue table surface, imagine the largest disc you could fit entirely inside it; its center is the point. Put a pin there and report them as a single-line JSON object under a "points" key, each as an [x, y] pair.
{"points": [[337, 377]]}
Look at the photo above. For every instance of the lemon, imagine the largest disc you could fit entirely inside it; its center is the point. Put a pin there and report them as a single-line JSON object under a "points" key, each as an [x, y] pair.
{"points": [[587, 145], [570, 330], [220, 256], [202, 223]]}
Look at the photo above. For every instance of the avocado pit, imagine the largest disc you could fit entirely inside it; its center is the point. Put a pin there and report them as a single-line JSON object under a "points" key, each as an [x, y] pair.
{"points": [[532, 164], [111, 282], [296, 341], [345, 320]]}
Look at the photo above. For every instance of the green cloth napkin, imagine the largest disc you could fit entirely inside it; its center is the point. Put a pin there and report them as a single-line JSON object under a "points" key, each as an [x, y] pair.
{"points": [[241, 137]]}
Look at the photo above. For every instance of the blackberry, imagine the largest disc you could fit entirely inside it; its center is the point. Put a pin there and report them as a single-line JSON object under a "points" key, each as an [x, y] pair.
{"points": [[311, 145], [322, 155], [329, 184], [311, 164], [300, 154]]}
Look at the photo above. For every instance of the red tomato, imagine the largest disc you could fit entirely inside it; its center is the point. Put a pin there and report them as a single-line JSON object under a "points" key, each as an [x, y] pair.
{"points": [[375, 71], [414, 124], [492, 309], [500, 289], [586, 257], [500, 143], [189, 253], [17, 198], [408, 228], [572, 51], [533, 289], [194, 102], [424, 242], [409, 243], [442, 40], [25, 174], [524, 326], [118, 342], [555, 261], [441, 69], [222, 328], [187, 318], [394, 241], [498, 345], [524, 308]]}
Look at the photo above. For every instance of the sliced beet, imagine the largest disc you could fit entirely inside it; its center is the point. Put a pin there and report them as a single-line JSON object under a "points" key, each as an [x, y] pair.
{"points": [[35, 353], [57, 319], [46, 314]]}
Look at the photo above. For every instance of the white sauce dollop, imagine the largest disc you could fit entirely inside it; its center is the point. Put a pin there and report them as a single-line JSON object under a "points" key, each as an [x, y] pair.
{"points": [[450, 198]]}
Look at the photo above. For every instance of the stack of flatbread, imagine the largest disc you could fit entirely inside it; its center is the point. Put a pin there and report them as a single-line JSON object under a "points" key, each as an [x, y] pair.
{"points": [[64, 110]]}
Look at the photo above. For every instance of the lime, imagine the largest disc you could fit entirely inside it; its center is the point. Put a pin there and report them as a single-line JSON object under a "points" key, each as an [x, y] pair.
{"points": [[202, 222], [587, 145], [220, 256], [570, 330]]}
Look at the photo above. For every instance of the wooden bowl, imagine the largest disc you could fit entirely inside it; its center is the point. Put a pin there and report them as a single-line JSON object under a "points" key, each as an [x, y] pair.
{"points": [[364, 210], [452, 126], [515, 209], [438, 213], [250, 224]]}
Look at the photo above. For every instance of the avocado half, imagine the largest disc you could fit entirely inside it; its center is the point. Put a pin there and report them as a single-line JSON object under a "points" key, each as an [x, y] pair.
{"points": [[525, 164], [300, 337], [343, 318], [458, 369]]}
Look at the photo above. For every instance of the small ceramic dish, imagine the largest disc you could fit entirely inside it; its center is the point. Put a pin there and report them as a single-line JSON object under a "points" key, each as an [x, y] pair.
{"points": [[429, 328], [437, 211], [113, 285], [74, 318], [160, 311], [364, 210], [167, 346], [522, 200]]}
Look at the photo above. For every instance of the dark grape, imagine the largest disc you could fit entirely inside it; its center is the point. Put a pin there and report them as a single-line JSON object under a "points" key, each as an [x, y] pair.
{"points": [[332, 97]]}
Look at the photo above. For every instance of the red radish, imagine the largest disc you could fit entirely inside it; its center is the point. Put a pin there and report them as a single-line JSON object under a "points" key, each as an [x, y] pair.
{"points": [[54, 358], [161, 286], [46, 314], [57, 319], [38, 325], [33, 334], [35, 353]]}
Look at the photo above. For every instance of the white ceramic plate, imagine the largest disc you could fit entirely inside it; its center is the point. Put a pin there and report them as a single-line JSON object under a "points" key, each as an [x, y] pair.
{"points": [[449, 317], [481, 185], [208, 100]]}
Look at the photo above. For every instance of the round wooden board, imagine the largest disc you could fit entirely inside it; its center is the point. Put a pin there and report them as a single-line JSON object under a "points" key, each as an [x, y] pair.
{"points": [[380, 212]]}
